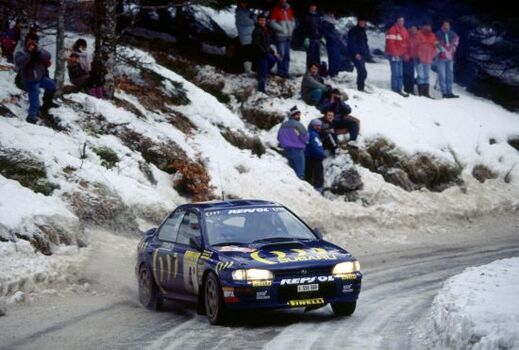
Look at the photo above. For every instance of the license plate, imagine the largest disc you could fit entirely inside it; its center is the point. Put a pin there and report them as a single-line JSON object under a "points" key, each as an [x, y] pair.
{"points": [[307, 287]]}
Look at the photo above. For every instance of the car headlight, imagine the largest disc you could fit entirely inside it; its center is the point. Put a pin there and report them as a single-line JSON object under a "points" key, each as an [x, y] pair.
{"points": [[252, 275], [346, 267]]}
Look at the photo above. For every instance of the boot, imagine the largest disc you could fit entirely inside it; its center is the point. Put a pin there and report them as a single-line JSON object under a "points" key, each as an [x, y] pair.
{"points": [[425, 91], [48, 103], [420, 89], [247, 67], [100, 93]]}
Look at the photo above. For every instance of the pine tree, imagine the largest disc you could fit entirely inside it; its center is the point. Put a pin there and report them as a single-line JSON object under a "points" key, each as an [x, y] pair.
{"points": [[106, 44], [59, 75]]}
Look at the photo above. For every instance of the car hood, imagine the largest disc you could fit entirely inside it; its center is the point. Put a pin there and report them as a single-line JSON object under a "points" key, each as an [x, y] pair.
{"points": [[284, 255]]}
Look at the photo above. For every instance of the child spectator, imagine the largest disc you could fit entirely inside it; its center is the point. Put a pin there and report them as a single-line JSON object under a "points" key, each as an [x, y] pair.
{"points": [[293, 137], [314, 156]]}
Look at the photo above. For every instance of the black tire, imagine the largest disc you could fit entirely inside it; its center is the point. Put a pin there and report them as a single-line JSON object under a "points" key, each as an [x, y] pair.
{"points": [[344, 309], [149, 294], [213, 298]]}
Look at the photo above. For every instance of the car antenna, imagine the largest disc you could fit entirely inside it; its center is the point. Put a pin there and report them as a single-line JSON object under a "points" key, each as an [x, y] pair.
{"points": [[221, 182]]}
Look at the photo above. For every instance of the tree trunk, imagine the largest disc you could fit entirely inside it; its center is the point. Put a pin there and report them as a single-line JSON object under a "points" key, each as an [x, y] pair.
{"points": [[106, 44], [23, 17], [59, 75]]}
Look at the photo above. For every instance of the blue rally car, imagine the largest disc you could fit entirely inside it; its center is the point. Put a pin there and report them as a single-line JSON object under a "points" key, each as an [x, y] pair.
{"points": [[243, 254]]}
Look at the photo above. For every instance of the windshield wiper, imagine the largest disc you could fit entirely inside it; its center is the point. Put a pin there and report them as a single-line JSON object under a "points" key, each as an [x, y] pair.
{"points": [[275, 239], [228, 243]]}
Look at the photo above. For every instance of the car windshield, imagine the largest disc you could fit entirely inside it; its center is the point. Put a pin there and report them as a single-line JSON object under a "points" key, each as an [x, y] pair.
{"points": [[254, 225]]}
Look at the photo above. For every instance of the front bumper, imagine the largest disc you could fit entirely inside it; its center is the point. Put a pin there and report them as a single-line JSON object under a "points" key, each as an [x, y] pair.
{"points": [[283, 292]]}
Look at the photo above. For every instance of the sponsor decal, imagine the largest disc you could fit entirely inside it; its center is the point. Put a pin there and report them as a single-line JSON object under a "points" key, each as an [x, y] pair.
{"points": [[348, 277], [347, 288], [233, 248], [261, 283], [279, 257], [306, 302], [262, 295], [303, 280], [248, 210], [141, 247], [157, 271], [228, 295], [190, 271], [223, 266], [206, 255]]}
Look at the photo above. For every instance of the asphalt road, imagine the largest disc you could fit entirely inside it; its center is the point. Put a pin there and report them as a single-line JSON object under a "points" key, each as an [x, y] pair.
{"points": [[400, 281]]}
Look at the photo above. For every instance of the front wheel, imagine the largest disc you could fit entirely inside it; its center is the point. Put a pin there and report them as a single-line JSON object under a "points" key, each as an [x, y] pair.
{"points": [[214, 307], [344, 309], [149, 295]]}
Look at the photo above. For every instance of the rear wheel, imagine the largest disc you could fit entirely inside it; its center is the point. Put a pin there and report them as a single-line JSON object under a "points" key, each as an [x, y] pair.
{"points": [[214, 307], [149, 294], [344, 309]]}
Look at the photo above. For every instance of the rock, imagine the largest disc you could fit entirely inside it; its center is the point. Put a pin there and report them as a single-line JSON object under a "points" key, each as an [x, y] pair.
{"points": [[254, 112], [26, 169], [397, 177], [349, 180], [340, 176], [361, 156], [239, 139], [483, 173], [514, 142]]}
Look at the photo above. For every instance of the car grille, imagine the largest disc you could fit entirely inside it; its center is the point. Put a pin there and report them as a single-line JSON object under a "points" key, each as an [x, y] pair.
{"points": [[302, 272]]}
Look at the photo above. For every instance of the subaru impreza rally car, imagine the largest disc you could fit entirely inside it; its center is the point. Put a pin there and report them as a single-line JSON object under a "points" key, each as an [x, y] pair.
{"points": [[242, 254]]}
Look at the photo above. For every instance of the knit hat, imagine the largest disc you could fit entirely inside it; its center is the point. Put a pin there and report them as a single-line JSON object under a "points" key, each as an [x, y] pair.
{"points": [[316, 122], [294, 111]]}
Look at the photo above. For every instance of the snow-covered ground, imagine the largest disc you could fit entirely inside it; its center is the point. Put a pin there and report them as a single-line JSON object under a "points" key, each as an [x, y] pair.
{"points": [[478, 309], [448, 129]]}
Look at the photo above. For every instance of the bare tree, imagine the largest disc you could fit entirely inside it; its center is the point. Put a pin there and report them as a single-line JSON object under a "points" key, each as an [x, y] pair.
{"points": [[106, 44], [59, 75]]}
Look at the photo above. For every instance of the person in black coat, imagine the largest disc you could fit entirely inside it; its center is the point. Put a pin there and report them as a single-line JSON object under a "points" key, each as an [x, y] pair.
{"points": [[359, 50], [313, 35], [263, 54]]}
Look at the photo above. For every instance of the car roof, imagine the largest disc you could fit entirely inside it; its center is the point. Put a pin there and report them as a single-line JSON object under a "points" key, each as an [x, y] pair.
{"points": [[226, 204]]}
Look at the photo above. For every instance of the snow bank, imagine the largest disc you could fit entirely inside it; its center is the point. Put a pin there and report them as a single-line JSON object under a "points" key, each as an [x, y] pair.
{"points": [[479, 309]]}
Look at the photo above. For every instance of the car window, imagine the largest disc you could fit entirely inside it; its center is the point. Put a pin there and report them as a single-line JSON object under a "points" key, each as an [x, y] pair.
{"points": [[189, 227], [168, 231]]}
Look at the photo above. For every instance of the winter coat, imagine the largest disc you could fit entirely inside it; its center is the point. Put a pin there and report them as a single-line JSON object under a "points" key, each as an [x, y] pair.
{"points": [[260, 41], [292, 134], [314, 148], [309, 84], [312, 26], [339, 107], [245, 23], [329, 30], [32, 66], [358, 42], [78, 76], [413, 44], [396, 41], [427, 47], [447, 44], [84, 61], [282, 22]]}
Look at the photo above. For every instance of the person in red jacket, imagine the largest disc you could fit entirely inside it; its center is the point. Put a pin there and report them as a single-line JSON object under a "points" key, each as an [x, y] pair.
{"points": [[427, 50], [410, 60], [282, 22], [396, 47]]}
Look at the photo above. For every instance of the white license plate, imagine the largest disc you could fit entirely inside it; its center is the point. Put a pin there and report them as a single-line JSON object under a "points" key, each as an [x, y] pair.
{"points": [[307, 287]]}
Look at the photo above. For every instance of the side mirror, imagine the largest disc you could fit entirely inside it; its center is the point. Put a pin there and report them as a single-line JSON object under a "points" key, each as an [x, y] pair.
{"points": [[318, 233], [195, 242], [150, 232]]}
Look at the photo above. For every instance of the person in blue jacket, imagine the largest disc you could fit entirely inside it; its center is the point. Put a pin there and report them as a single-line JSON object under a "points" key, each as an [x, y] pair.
{"points": [[314, 173], [313, 35], [245, 21], [358, 50]]}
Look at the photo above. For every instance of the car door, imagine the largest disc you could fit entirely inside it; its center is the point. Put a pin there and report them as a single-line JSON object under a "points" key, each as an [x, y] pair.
{"points": [[187, 281], [165, 261]]}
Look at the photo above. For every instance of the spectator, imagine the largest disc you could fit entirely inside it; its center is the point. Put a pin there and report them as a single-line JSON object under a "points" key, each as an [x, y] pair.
{"points": [[313, 88], [447, 43], [293, 137], [359, 50], [334, 43], [342, 120], [282, 22], [409, 60], [328, 134], [32, 62], [314, 173], [264, 55], [313, 35], [8, 41], [80, 70], [427, 47], [396, 47], [245, 23]]}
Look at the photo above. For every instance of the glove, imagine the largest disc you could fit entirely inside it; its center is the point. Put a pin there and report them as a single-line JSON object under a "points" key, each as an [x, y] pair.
{"points": [[306, 43]]}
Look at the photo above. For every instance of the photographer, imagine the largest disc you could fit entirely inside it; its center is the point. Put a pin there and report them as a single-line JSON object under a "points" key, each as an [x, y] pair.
{"points": [[342, 119], [328, 134], [32, 63]]}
